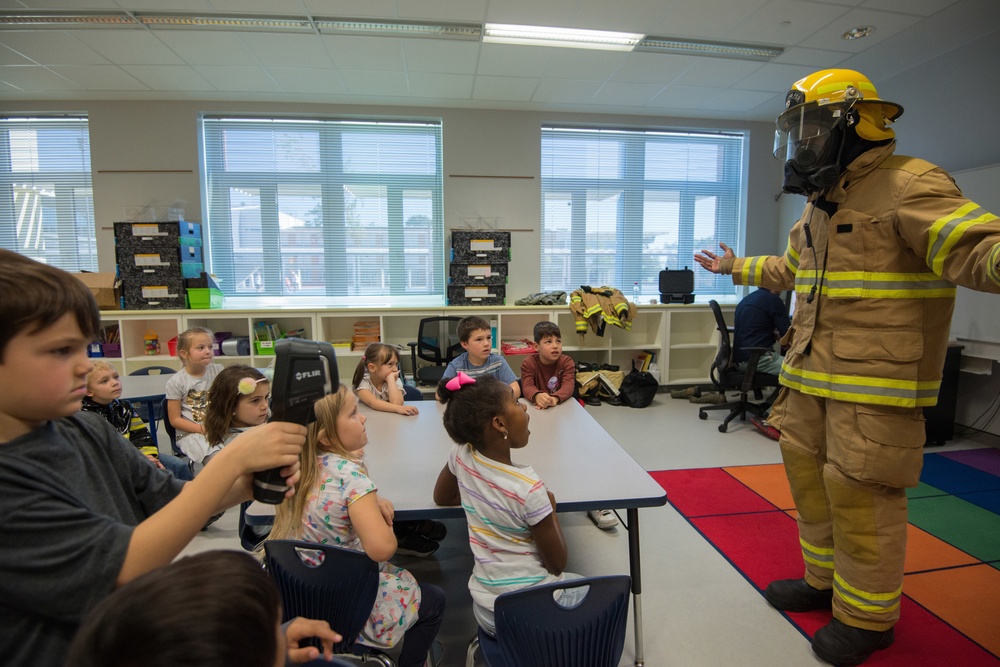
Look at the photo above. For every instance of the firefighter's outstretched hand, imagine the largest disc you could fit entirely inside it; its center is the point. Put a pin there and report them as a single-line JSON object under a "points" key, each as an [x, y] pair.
{"points": [[710, 261]]}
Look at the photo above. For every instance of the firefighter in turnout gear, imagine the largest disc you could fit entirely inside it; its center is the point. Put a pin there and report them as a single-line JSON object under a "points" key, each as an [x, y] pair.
{"points": [[874, 260]]}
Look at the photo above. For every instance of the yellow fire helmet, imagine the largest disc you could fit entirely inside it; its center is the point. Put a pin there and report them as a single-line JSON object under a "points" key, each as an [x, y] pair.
{"points": [[841, 89]]}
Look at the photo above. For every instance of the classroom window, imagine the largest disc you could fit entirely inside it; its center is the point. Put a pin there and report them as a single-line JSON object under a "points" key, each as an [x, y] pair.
{"points": [[324, 208], [620, 205], [47, 205]]}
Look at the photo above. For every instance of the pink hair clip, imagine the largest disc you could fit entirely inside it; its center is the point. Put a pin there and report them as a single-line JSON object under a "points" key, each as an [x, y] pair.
{"points": [[458, 381]]}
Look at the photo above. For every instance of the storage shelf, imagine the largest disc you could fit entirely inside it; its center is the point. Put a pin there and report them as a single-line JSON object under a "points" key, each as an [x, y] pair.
{"points": [[682, 337]]}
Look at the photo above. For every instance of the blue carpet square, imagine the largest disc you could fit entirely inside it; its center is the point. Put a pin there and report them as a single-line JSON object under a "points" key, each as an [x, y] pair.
{"points": [[956, 478]]}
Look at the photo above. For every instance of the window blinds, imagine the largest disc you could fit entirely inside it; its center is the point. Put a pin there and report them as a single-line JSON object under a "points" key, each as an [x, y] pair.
{"points": [[47, 206], [347, 209], [620, 205]]}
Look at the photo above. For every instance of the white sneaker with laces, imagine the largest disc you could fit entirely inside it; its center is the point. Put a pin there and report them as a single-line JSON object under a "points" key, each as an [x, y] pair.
{"points": [[603, 519]]}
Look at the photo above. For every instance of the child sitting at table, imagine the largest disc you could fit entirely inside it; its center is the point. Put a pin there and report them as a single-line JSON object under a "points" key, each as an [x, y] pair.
{"points": [[187, 391], [337, 503], [514, 534], [548, 377], [377, 380], [238, 400], [151, 621], [478, 360], [104, 390]]}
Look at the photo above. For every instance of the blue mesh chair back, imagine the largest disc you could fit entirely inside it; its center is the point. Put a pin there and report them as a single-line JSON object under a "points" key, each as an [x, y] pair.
{"points": [[533, 630], [341, 590], [171, 431], [150, 412]]}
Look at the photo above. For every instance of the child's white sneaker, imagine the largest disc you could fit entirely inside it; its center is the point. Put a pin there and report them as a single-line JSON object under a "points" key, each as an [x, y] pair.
{"points": [[603, 519]]}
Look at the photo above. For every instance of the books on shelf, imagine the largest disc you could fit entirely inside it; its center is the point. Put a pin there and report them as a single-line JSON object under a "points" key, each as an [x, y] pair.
{"points": [[642, 361]]}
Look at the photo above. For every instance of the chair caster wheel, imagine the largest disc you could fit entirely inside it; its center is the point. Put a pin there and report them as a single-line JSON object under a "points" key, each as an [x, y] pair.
{"points": [[723, 428], [702, 415]]}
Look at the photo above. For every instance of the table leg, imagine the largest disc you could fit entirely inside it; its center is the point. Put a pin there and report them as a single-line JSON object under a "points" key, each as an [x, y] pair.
{"points": [[635, 571]]}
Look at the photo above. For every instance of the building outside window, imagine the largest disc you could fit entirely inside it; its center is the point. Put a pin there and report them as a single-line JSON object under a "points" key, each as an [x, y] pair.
{"points": [[620, 205], [47, 201], [325, 208]]}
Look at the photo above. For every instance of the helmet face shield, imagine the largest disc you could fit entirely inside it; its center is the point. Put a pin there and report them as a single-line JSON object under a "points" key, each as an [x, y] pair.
{"points": [[802, 132]]}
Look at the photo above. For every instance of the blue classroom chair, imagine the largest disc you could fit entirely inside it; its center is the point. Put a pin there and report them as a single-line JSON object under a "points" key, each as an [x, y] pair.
{"points": [[533, 630]]}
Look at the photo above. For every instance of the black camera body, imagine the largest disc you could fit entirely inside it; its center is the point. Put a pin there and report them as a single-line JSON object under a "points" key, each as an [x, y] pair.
{"points": [[304, 372]]}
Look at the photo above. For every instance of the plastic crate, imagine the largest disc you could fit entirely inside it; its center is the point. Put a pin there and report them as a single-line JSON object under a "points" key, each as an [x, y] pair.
{"points": [[205, 297], [111, 349], [264, 346]]}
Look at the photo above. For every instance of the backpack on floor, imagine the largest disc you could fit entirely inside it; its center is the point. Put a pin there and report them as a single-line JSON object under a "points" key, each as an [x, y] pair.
{"points": [[638, 388]]}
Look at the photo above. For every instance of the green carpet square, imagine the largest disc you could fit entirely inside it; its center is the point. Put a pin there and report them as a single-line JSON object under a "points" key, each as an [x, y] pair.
{"points": [[965, 526]]}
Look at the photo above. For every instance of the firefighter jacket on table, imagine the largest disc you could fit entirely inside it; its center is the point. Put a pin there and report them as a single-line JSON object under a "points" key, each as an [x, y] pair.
{"points": [[600, 306], [874, 261]]}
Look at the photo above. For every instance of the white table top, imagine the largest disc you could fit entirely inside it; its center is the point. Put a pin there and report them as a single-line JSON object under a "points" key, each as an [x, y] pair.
{"points": [[580, 463]]}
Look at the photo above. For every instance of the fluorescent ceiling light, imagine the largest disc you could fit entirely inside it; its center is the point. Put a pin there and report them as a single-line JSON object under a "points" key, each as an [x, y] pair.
{"points": [[703, 48], [223, 22], [34, 20], [500, 33], [470, 31]]}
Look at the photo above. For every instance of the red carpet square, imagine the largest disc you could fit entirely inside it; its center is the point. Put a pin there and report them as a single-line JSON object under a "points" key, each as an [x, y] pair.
{"points": [[708, 491]]}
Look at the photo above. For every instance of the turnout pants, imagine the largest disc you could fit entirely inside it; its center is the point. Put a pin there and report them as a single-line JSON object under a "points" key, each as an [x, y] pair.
{"points": [[848, 465]]}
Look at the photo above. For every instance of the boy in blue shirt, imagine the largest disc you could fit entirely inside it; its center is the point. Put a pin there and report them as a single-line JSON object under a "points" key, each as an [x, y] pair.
{"points": [[479, 359], [82, 511]]}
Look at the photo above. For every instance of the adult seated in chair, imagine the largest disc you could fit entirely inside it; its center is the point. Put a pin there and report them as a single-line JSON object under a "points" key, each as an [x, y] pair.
{"points": [[761, 318]]}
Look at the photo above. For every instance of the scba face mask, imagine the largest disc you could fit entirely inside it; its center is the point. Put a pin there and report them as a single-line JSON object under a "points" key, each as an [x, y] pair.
{"points": [[810, 137]]}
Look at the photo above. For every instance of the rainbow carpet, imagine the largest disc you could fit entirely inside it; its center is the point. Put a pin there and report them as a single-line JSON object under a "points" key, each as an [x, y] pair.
{"points": [[951, 587]]}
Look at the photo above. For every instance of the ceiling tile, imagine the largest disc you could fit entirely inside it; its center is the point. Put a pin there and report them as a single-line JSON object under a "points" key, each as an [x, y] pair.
{"points": [[51, 47], [443, 10], [583, 64], [531, 12], [9, 56], [365, 53], [706, 18], [718, 72], [259, 6], [509, 60], [128, 46], [563, 91], [448, 86], [444, 56], [719, 100], [157, 5], [504, 88], [921, 7], [785, 22], [372, 82], [238, 79], [169, 77], [660, 68], [206, 48], [886, 25], [817, 58], [617, 16], [36, 78], [100, 77], [774, 78], [629, 94], [308, 80], [352, 8], [287, 49]]}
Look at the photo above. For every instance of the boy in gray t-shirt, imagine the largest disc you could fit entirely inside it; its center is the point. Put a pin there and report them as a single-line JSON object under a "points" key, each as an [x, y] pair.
{"points": [[81, 510]]}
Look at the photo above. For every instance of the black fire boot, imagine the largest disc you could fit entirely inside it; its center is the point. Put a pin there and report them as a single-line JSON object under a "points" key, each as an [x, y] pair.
{"points": [[797, 595], [844, 645]]}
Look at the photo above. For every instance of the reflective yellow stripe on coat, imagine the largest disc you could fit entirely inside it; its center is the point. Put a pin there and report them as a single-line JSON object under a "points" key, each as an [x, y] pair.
{"points": [[876, 285], [860, 388]]}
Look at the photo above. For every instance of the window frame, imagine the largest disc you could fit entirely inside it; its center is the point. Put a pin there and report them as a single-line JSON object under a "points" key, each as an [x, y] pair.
{"points": [[333, 181], [634, 259]]}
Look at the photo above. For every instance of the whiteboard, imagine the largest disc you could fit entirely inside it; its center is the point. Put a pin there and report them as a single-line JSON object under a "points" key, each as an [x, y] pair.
{"points": [[977, 314]]}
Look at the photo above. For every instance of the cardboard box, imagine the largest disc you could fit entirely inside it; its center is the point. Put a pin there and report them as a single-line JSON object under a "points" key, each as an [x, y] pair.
{"points": [[477, 295], [480, 247], [105, 287]]}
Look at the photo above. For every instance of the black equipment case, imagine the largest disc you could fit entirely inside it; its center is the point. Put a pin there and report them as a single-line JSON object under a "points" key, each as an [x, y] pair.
{"points": [[677, 286]]}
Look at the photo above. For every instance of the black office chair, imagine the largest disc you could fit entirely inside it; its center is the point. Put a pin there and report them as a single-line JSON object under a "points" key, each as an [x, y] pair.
{"points": [[341, 590], [437, 343], [726, 376]]}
